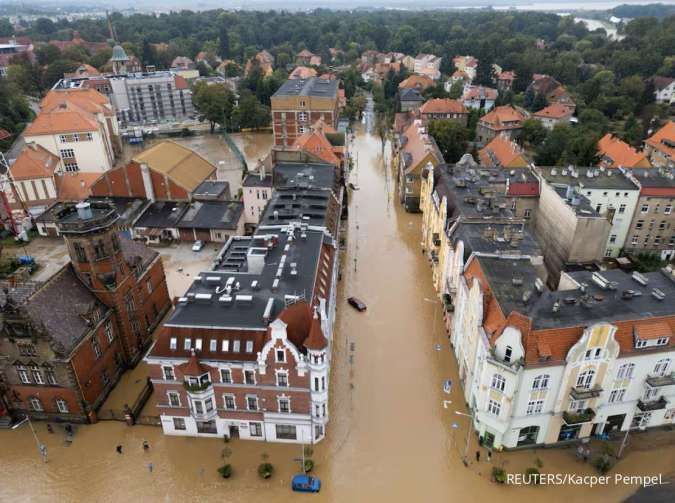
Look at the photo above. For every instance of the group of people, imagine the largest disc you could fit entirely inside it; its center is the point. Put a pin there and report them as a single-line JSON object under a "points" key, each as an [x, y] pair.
{"points": [[146, 447], [583, 453]]}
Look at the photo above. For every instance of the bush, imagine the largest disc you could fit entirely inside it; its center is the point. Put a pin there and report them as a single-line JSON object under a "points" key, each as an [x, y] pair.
{"points": [[265, 470], [309, 465], [603, 463], [498, 475], [225, 471], [533, 476]]}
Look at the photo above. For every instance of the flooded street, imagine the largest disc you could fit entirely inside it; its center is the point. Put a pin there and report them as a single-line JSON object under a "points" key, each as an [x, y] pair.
{"points": [[390, 438]]}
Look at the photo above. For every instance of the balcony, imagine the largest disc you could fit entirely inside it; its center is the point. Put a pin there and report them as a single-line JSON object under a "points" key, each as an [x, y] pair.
{"points": [[659, 381], [197, 387], [585, 394], [647, 406], [585, 416]]}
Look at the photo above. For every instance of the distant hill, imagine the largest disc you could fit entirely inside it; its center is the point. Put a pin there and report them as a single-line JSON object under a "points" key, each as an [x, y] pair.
{"points": [[649, 10]]}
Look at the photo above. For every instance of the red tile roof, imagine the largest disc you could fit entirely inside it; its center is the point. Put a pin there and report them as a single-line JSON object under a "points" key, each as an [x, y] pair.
{"points": [[503, 117], [302, 72], [66, 118], [554, 111], [664, 140], [443, 106], [193, 367], [619, 153], [298, 319], [416, 82], [181, 83], [316, 340], [502, 152], [33, 162], [480, 92], [75, 186]]}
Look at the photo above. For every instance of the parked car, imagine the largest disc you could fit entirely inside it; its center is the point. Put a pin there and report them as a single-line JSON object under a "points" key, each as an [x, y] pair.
{"points": [[357, 304], [305, 483], [198, 246]]}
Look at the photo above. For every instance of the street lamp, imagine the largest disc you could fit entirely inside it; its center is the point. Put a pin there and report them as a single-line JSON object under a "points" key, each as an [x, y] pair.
{"points": [[468, 436], [41, 447]]}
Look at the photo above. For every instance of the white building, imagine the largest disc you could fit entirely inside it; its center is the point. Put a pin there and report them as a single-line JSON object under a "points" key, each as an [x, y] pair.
{"points": [[429, 65], [256, 192], [664, 90]]}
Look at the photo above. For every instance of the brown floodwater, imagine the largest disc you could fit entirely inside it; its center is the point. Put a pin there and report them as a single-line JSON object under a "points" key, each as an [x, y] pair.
{"points": [[390, 437]]}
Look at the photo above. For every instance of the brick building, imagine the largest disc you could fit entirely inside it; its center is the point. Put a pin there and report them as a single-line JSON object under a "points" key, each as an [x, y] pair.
{"points": [[299, 103], [65, 343]]}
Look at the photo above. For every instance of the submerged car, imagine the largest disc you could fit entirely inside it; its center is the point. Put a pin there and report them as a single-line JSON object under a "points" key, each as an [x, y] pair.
{"points": [[305, 484], [357, 304], [198, 245]]}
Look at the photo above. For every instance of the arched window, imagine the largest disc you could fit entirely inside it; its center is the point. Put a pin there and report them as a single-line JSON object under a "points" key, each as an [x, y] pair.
{"points": [[541, 382], [626, 371], [498, 382], [662, 367], [585, 379]]}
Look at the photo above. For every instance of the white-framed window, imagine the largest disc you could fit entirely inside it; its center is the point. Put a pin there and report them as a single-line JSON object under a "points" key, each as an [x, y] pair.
{"points": [[108, 329], [284, 405], [230, 402], [71, 166], [67, 153], [302, 116], [187, 344], [498, 382], [174, 398], [662, 366], [51, 377], [168, 373], [255, 429], [208, 404], [577, 405], [508, 353], [662, 341], [37, 375], [494, 407], [650, 394], [617, 395], [622, 208], [541, 382], [282, 379], [198, 344], [225, 346], [62, 406], [286, 431], [173, 343], [634, 240], [213, 345], [226, 376], [251, 402], [534, 407], [280, 356], [95, 347], [36, 404], [640, 343], [644, 208], [626, 371], [23, 375], [179, 423], [668, 209], [249, 346], [249, 377], [236, 346], [585, 379]]}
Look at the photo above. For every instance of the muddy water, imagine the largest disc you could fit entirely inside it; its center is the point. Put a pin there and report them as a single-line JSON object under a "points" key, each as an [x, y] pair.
{"points": [[390, 437]]}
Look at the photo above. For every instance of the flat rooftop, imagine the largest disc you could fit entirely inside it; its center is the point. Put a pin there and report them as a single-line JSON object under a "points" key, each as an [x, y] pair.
{"points": [[304, 175], [588, 178], [311, 206], [500, 238], [212, 215], [315, 87], [163, 214], [253, 279], [212, 189]]}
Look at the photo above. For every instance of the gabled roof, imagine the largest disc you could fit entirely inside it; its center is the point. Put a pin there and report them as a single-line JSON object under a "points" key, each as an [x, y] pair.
{"points": [[75, 186], [664, 140], [554, 111], [503, 117], [34, 161], [302, 72], [503, 153], [416, 81], [65, 118], [417, 146], [619, 153], [480, 92], [443, 106], [315, 142], [85, 98], [316, 340], [183, 166], [305, 54]]}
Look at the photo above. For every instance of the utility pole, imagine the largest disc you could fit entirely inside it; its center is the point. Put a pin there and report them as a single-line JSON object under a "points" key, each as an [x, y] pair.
{"points": [[468, 436], [42, 448]]}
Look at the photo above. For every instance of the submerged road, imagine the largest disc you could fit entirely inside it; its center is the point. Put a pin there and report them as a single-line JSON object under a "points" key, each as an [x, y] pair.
{"points": [[390, 438]]}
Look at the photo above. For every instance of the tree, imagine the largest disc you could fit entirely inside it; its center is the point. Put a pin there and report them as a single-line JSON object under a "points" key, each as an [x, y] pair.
{"points": [[538, 102], [54, 72], [452, 138], [6, 28], [44, 26], [47, 54], [484, 73], [456, 90], [215, 104], [223, 41], [534, 133], [251, 114], [632, 131]]}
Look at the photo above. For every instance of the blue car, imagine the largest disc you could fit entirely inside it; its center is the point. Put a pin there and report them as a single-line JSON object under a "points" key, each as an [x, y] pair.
{"points": [[305, 484]]}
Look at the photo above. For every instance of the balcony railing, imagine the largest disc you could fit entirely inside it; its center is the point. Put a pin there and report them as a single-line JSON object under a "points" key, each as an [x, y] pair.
{"points": [[585, 416], [659, 381], [650, 405], [584, 393], [197, 387]]}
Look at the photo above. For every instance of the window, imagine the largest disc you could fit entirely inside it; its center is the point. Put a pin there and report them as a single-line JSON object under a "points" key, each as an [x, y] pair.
{"points": [[662, 366], [79, 252], [226, 346], [668, 209], [62, 406], [95, 347], [639, 224], [540, 382], [168, 374], [23, 375], [650, 394], [662, 341], [626, 371], [230, 403], [640, 343], [51, 377], [494, 407], [577, 405], [612, 238], [255, 429], [662, 225], [534, 407], [284, 405], [249, 377], [281, 356], [302, 116], [26, 349], [634, 240], [37, 375], [174, 399], [508, 352], [498, 382], [527, 213], [129, 302], [323, 384], [198, 344], [622, 208], [249, 346], [585, 379], [252, 402], [236, 346], [35, 404], [302, 129], [644, 208], [282, 379], [173, 343], [188, 344], [71, 166], [286, 431], [67, 153], [179, 423], [108, 329], [208, 403], [226, 376], [316, 384], [617, 395], [199, 407]]}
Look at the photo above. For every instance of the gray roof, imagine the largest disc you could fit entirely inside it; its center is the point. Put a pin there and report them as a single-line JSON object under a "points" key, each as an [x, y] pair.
{"points": [[321, 88], [496, 237], [410, 94], [163, 215], [311, 206], [205, 305], [653, 177], [304, 175], [134, 250], [212, 189], [212, 215], [118, 54], [255, 180], [611, 179]]}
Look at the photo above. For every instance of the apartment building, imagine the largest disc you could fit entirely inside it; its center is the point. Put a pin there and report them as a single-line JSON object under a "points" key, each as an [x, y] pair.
{"points": [[429, 65], [444, 109], [466, 64], [247, 351], [78, 126], [479, 97], [66, 342], [652, 229], [299, 103], [610, 193], [660, 147], [541, 367]]}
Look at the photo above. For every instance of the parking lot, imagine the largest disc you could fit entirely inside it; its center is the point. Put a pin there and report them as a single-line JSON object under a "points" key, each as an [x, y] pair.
{"points": [[181, 264]]}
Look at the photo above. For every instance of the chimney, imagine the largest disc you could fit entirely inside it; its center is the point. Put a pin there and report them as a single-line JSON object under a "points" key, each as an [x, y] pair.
{"points": [[84, 210], [147, 183]]}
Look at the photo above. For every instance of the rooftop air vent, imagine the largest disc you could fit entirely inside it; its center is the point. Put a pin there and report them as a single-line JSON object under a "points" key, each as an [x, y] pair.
{"points": [[658, 294], [640, 278]]}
